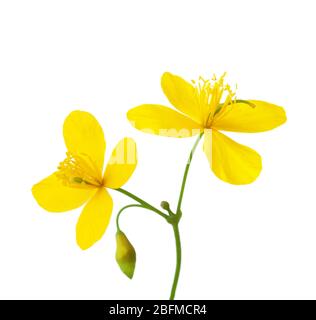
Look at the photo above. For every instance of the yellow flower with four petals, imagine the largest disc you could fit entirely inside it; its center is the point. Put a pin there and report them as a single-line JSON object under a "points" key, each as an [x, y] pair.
{"points": [[210, 106], [80, 179]]}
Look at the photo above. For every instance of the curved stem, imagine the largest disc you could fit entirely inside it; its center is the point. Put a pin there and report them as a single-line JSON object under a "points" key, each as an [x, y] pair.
{"points": [[175, 224], [142, 202], [126, 207], [173, 219]]}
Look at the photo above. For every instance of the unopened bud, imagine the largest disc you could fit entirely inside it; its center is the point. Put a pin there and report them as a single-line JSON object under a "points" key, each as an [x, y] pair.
{"points": [[125, 254], [165, 205]]}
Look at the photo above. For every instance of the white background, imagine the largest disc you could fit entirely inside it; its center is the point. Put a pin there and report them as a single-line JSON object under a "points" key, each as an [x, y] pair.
{"points": [[239, 242]]}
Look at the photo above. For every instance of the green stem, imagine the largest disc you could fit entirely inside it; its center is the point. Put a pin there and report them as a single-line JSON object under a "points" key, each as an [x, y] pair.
{"points": [[172, 218], [142, 202], [178, 264], [175, 224], [186, 171], [126, 207]]}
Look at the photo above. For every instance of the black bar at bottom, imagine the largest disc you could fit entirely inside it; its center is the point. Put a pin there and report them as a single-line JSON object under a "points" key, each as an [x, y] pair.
{"points": [[141, 309]]}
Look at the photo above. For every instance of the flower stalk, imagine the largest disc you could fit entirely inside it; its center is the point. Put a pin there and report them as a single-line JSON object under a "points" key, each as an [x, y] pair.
{"points": [[172, 218], [176, 224]]}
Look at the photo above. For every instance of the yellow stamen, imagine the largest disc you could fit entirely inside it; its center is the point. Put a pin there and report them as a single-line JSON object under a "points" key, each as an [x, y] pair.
{"points": [[79, 171], [212, 95]]}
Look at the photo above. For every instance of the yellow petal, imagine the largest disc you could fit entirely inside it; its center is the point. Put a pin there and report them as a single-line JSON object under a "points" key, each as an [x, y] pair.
{"points": [[163, 121], [53, 196], [257, 116], [83, 134], [121, 165], [230, 161], [181, 95], [94, 219]]}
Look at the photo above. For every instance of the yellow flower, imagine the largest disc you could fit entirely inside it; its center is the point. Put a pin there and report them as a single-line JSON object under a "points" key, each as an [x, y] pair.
{"points": [[209, 106], [80, 179]]}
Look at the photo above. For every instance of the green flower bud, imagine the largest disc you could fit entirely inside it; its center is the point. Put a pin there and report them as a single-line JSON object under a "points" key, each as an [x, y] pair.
{"points": [[125, 254], [165, 205]]}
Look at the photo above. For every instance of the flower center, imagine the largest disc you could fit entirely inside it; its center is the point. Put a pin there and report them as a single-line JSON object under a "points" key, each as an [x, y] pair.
{"points": [[79, 171], [212, 95]]}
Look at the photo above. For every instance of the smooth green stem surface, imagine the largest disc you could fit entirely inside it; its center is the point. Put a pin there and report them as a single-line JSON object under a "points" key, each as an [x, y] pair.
{"points": [[124, 208], [186, 171], [178, 263], [171, 218], [142, 202], [176, 224]]}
